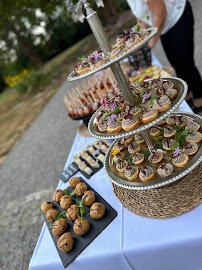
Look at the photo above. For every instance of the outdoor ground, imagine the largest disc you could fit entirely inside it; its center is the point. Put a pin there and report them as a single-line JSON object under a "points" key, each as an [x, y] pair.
{"points": [[29, 174]]}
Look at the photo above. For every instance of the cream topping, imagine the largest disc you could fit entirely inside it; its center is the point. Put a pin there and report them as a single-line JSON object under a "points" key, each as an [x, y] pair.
{"points": [[102, 126], [119, 145], [165, 169], [119, 155], [168, 143], [171, 119], [121, 164], [161, 101], [132, 147], [180, 158], [148, 112], [153, 129], [156, 83], [190, 148], [115, 51], [167, 84], [146, 171], [129, 120], [182, 120], [193, 136], [132, 109], [114, 124], [154, 156], [130, 171], [137, 156], [138, 137], [193, 126], [169, 130]]}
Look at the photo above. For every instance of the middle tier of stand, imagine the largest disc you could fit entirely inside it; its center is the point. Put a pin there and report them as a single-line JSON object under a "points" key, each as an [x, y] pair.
{"points": [[182, 91]]}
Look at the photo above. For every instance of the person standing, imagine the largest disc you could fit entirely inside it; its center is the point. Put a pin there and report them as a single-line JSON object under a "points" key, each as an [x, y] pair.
{"points": [[175, 21]]}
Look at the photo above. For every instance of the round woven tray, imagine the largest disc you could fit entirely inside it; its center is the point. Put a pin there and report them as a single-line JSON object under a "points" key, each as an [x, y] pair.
{"points": [[168, 201]]}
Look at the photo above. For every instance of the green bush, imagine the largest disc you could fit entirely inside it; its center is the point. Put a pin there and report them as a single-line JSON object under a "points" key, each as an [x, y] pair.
{"points": [[33, 82]]}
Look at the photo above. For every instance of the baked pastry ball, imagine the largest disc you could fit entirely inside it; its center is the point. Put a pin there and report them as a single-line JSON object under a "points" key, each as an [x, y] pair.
{"points": [[169, 132], [51, 215], [168, 143], [59, 226], [81, 226], [119, 145], [121, 165], [88, 197], [65, 202], [73, 212], [171, 119], [165, 169], [162, 103], [154, 131], [119, 155], [146, 173], [131, 173], [65, 242], [114, 126], [180, 160], [194, 136], [137, 158], [128, 139], [80, 189], [74, 181], [45, 206], [134, 147], [155, 157], [190, 148], [57, 195], [130, 122], [182, 120], [193, 125], [148, 114], [138, 138], [97, 210]]}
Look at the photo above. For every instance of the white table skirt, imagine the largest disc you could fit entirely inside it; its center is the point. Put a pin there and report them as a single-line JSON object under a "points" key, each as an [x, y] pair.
{"points": [[130, 241]]}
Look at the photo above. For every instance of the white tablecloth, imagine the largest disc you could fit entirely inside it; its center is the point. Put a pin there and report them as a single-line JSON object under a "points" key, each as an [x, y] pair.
{"points": [[130, 241]]}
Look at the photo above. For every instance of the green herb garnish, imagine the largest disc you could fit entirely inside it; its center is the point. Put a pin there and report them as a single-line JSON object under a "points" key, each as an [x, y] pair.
{"points": [[58, 216]]}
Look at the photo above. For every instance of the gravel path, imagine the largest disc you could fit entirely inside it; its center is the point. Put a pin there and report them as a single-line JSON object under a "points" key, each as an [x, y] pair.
{"points": [[30, 173]]}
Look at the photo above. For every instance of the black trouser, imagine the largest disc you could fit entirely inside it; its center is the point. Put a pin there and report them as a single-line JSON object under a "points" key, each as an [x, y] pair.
{"points": [[178, 44]]}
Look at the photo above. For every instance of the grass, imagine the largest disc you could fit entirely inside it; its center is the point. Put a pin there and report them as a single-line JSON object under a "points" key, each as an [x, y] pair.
{"points": [[18, 111]]}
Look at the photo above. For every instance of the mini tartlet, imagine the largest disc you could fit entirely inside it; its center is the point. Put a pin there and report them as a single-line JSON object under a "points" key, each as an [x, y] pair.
{"points": [[131, 173], [138, 138], [194, 136], [190, 148], [168, 143], [155, 157], [171, 119], [121, 165], [134, 147], [130, 122], [162, 103], [182, 120], [146, 173], [137, 158], [154, 131], [165, 169], [169, 132], [148, 114], [180, 160], [128, 139]]}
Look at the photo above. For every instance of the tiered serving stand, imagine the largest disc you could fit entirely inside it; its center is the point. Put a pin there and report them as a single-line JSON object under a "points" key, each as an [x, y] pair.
{"points": [[161, 192]]}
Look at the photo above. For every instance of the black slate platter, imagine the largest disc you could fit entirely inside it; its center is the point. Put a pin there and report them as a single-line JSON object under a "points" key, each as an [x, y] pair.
{"points": [[73, 168], [96, 227]]}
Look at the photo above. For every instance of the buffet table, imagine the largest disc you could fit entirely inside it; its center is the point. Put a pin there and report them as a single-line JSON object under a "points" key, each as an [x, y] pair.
{"points": [[130, 241]]}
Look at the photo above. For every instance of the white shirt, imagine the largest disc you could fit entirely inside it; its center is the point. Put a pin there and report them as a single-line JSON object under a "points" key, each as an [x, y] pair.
{"points": [[175, 9]]}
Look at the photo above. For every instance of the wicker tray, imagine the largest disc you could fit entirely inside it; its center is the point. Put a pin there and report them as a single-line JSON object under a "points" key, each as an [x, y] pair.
{"points": [[168, 201]]}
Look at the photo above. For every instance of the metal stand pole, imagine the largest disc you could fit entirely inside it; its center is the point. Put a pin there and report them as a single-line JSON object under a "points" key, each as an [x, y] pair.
{"points": [[102, 40]]}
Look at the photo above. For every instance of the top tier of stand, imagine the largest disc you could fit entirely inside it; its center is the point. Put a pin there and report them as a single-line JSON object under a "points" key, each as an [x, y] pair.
{"points": [[152, 32]]}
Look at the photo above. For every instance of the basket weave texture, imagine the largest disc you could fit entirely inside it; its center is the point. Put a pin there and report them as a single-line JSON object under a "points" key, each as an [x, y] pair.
{"points": [[168, 201]]}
